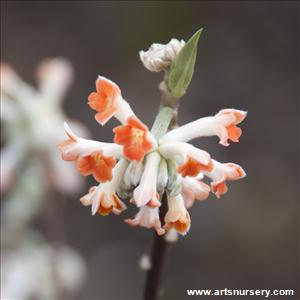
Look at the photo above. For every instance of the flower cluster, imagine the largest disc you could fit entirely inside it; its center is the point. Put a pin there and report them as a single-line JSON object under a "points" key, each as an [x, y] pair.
{"points": [[32, 119], [141, 167]]}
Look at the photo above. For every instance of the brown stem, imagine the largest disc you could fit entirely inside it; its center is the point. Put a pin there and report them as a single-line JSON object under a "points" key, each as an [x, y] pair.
{"points": [[159, 253]]}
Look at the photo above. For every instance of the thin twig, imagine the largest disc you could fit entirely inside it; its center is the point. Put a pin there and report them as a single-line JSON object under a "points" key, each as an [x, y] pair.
{"points": [[159, 253]]}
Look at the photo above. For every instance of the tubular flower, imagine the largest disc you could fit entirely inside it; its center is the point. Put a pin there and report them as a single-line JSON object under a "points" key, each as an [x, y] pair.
{"points": [[222, 172], [103, 198], [108, 102], [146, 192], [134, 136], [223, 124], [146, 167], [190, 159], [92, 157], [147, 217], [194, 189], [177, 216]]}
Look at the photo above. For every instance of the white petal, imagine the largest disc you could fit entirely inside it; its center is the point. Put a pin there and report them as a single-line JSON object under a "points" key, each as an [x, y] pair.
{"points": [[85, 147], [180, 152], [146, 190]]}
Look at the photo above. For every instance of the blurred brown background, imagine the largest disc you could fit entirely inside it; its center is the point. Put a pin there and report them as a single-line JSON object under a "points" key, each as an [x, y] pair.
{"points": [[247, 59]]}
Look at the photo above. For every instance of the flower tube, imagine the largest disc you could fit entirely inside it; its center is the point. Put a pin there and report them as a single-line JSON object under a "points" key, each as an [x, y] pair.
{"points": [[147, 217], [223, 124], [92, 157], [108, 102], [194, 189], [103, 198], [146, 192], [222, 172], [190, 159], [177, 216]]}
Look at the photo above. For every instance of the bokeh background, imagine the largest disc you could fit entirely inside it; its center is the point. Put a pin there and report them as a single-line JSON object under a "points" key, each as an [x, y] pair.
{"points": [[248, 58]]}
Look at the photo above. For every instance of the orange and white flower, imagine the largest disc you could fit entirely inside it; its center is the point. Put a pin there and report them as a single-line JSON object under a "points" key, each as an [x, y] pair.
{"points": [[194, 189], [223, 124], [147, 217], [135, 139], [190, 159], [222, 172], [92, 157], [103, 198], [146, 192], [177, 216], [108, 102]]}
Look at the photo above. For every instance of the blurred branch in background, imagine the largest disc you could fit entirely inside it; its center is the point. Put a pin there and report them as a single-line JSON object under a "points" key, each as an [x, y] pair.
{"points": [[32, 178]]}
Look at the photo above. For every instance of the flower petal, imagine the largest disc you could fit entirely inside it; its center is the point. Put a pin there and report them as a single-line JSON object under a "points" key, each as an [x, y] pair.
{"points": [[222, 172], [147, 217], [134, 138]]}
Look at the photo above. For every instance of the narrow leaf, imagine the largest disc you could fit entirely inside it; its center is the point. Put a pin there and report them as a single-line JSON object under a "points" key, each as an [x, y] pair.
{"points": [[182, 68]]}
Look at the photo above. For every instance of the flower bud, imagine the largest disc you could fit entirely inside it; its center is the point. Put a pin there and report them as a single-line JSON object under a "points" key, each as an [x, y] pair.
{"points": [[160, 56]]}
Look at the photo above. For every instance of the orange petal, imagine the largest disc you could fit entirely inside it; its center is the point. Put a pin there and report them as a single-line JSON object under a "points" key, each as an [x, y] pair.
{"points": [[118, 203], [147, 145], [192, 168], [234, 133], [122, 135], [102, 173], [107, 87], [136, 123], [109, 161], [134, 152], [154, 202], [86, 165], [181, 227], [103, 170], [105, 206], [94, 101], [219, 189], [104, 211], [104, 115], [239, 115], [63, 148], [239, 172]]}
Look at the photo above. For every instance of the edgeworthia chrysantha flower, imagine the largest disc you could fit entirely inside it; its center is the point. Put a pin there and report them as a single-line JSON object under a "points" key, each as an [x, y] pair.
{"points": [[142, 165], [33, 119]]}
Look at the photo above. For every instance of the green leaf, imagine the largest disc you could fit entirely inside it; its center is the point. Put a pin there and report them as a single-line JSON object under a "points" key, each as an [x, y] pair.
{"points": [[182, 68]]}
